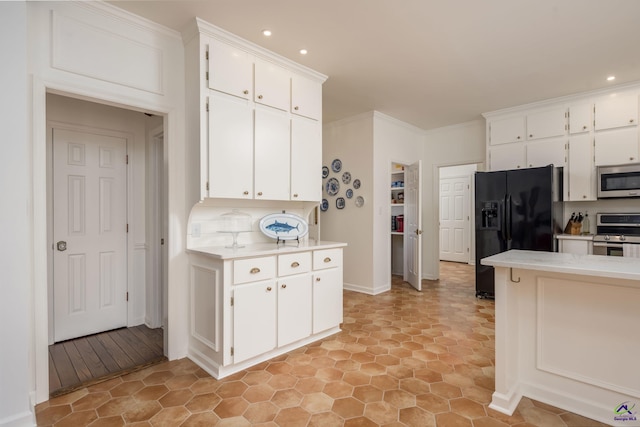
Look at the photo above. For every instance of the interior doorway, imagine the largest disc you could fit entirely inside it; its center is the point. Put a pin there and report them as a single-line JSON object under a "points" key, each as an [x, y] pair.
{"points": [[138, 282], [455, 218]]}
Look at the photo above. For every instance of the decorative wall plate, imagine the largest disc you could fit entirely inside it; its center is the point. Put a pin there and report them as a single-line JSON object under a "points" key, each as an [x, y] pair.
{"points": [[349, 193], [340, 203], [336, 165], [332, 187], [359, 201], [284, 226], [325, 172], [356, 183], [324, 205], [346, 177]]}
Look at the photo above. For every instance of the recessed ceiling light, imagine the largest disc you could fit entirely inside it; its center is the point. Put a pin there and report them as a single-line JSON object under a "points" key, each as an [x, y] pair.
{"points": [[303, 51], [266, 33], [611, 78]]}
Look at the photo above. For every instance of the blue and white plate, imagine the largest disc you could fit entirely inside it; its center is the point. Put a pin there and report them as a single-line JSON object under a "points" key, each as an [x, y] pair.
{"points": [[340, 203], [332, 186], [336, 165], [356, 183], [325, 172], [346, 177], [284, 226], [349, 193], [324, 205]]}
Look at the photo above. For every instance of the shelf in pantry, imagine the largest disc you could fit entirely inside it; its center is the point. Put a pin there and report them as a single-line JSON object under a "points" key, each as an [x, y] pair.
{"points": [[397, 204], [397, 233]]}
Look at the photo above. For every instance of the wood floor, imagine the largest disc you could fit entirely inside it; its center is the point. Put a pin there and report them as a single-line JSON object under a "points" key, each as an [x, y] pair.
{"points": [[82, 361]]}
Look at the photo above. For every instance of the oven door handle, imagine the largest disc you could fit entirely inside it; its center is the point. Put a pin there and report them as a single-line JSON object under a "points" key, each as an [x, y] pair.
{"points": [[606, 244]]}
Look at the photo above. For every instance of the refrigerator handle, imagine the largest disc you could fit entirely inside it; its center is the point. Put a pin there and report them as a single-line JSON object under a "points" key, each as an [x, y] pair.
{"points": [[507, 217]]}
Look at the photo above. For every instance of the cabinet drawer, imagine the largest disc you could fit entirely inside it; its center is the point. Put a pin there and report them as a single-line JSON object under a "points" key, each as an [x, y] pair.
{"points": [[294, 263], [254, 269], [327, 258]]}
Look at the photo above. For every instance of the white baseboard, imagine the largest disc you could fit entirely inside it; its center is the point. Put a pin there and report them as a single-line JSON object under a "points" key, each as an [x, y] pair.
{"points": [[22, 419], [365, 290]]}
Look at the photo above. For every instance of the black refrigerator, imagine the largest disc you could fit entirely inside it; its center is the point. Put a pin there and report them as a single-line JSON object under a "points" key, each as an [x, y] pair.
{"points": [[515, 209]]}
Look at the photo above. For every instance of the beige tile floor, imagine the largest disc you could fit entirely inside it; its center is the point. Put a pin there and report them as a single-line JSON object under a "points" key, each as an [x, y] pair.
{"points": [[403, 358]]}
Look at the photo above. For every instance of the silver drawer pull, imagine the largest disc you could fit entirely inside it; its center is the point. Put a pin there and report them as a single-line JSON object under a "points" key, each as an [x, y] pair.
{"points": [[327, 259], [268, 288], [295, 264], [254, 270]]}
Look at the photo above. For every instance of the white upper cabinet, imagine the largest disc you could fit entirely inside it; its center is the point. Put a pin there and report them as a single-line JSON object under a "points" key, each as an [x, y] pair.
{"points": [[306, 159], [548, 152], [507, 130], [230, 69], [616, 147], [580, 118], [273, 85], [616, 112], [510, 156], [581, 170], [272, 154], [230, 147], [547, 123], [306, 97]]}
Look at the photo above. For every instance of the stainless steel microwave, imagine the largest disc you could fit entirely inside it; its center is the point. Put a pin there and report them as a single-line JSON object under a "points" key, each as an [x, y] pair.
{"points": [[619, 181]]}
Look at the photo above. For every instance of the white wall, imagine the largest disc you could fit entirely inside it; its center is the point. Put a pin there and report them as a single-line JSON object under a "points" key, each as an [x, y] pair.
{"points": [[15, 221], [351, 141], [367, 145], [94, 51], [399, 142], [452, 145]]}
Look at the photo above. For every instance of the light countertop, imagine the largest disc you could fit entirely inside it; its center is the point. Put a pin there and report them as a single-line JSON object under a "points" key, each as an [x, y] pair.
{"points": [[574, 236], [264, 249], [588, 265]]}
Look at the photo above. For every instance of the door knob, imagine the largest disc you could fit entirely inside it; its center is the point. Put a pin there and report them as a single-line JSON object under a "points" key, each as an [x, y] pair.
{"points": [[418, 232], [62, 246]]}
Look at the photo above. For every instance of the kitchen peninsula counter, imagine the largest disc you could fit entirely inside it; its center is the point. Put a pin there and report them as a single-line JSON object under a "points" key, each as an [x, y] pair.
{"points": [[566, 333]]}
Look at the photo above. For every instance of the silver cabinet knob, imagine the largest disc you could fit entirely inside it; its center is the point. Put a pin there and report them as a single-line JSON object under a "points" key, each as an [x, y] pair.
{"points": [[246, 92], [259, 96]]}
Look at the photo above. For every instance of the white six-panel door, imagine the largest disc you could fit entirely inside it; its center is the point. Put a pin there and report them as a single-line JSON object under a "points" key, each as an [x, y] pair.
{"points": [[89, 233], [413, 225], [454, 219]]}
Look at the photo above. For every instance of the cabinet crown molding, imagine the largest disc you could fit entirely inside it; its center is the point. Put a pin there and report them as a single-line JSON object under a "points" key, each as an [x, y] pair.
{"points": [[199, 26]]}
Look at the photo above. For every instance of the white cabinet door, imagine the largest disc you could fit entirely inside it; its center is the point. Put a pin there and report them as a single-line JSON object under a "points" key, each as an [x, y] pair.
{"points": [[546, 124], [273, 85], [616, 112], [294, 308], [230, 147], [506, 130], [254, 319], [272, 154], [327, 299], [616, 147], [230, 69], [578, 247], [581, 170], [549, 152], [580, 118], [306, 97], [509, 156], [306, 159]]}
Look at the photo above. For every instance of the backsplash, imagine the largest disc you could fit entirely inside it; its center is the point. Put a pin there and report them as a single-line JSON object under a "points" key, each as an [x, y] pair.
{"points": [[205, 221], [600, 206]]}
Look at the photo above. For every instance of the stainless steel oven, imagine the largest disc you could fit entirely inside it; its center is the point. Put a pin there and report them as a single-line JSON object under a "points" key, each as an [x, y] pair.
{"points": [[614, 230]]}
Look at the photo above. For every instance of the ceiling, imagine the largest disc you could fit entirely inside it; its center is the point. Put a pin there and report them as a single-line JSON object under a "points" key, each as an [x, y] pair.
{"points": [[433, 63]]}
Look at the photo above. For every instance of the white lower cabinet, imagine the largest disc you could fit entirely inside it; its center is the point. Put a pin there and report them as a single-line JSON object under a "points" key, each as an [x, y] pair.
{"points": [[327, 299], [294, 308], [245, 310], [254, 319]]}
